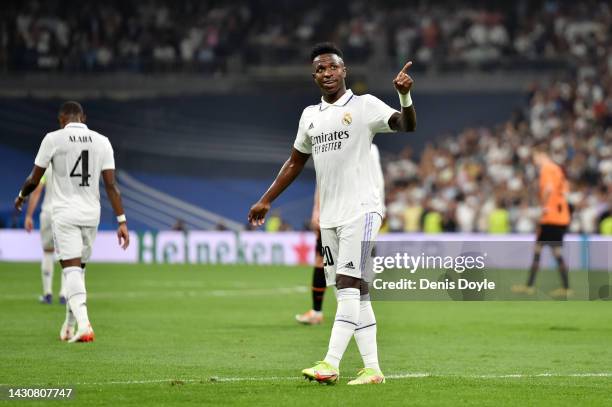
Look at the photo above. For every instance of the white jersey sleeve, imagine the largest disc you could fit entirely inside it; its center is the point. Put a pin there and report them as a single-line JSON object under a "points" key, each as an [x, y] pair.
{"points": [[108, 158], [377, 114], [45, 153], [302, 141]]}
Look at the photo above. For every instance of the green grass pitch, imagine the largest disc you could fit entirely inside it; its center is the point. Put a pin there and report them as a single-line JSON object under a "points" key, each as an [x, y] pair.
{"points": [[211, 335]]}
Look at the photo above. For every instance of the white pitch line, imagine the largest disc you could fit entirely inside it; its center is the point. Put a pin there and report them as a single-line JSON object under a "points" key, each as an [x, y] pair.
{"points": [[396, 376], [519, 376], [254, 292]]}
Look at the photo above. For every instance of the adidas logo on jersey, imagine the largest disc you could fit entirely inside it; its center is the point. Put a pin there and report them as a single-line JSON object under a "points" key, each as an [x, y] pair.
{"points": [[311, 126], [350, 265]]}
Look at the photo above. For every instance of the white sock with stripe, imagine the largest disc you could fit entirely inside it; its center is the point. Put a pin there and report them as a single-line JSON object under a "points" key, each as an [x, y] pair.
{"points": [[76, 294], [365, 334], [46, 269], [62, 292], [347, 318]]}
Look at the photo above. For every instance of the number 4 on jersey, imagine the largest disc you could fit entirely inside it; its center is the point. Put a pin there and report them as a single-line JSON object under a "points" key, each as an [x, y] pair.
{"points": [[84, 160]]}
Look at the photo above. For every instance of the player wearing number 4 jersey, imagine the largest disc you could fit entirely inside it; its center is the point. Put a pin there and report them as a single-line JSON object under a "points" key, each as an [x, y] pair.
{"points": [[338, 133], [79, 156]]}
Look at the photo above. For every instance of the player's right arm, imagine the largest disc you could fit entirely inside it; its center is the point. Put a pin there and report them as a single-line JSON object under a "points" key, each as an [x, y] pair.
{"points": [[114, 196], [406, 120], [29, 186], [316, 212], [288, 173], [32, 203], [41, 162]]}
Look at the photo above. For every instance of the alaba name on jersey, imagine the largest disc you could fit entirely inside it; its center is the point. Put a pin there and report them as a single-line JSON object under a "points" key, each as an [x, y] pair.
{"points": [[339, 137], [78, 155]]}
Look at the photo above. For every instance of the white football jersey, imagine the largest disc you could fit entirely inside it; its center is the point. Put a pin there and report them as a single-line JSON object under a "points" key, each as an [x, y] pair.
{"points": [[339, 137], [78, 156], [378, 177], [46, 203]]}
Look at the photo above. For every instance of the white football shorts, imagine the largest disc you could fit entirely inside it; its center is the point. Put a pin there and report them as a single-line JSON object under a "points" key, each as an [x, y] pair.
{"points": [[46, 231], [347, 248], [72, 242]]}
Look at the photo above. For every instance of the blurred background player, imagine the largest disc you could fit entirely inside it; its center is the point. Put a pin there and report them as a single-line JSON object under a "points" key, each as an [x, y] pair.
{"points": [[314, 316], [555, 217], [46, 236], [79, 156], [338, 132]]}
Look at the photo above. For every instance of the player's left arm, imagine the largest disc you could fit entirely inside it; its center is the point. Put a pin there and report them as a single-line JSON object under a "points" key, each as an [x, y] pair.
{"points": [[406, 120], [114, 196], [29, 185], [547, 186]]}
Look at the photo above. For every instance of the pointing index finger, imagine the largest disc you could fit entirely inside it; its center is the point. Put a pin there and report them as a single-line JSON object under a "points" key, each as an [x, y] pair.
{"points": [[408, 65]]}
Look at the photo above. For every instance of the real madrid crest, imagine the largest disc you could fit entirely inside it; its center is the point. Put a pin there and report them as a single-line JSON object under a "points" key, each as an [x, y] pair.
{"points": [[347, 119]]}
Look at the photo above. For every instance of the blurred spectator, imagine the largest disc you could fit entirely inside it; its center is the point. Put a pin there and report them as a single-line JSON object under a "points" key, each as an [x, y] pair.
{"points": [[160, 35], [274, 222], [499, 219], [179, 226], [462, 173]]}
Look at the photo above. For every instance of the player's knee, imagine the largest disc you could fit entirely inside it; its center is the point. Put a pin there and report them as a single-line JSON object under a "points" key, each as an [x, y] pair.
{"points": [[343, 281], [558, 253], [538, 249]]}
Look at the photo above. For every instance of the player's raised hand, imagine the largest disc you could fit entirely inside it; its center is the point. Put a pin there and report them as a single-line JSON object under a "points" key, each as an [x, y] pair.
{"points": [[403, 82], [123, 235], [257, 214]]}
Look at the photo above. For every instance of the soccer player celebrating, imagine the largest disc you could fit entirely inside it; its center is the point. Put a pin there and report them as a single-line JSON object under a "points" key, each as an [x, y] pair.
{"points": [[46, 236], [554, 220], [314, 316], [78, 156], [338, 133]]}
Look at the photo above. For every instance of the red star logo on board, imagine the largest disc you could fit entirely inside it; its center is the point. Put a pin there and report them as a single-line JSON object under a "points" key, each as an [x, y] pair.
{"points": [[302, 250]]}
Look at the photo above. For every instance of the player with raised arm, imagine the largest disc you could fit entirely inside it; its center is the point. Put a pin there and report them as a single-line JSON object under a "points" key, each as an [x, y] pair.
{"points": [[314, 316], [46, 236], [79, 157], [338, 133]]}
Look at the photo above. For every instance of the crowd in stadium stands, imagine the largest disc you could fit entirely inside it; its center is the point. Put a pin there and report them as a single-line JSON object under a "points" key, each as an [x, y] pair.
{"points": [[217, 36], [483, 179]]}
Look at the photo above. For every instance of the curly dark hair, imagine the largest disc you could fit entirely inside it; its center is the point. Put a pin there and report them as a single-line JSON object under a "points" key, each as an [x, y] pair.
{"points": [[325, 48]]}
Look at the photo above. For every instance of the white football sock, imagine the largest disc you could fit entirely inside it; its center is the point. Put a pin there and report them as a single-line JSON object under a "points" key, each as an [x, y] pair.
{"points": [[46, 269], [62, 292], [347, 317], [365, 334], [70, 318], [76, 294]]}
